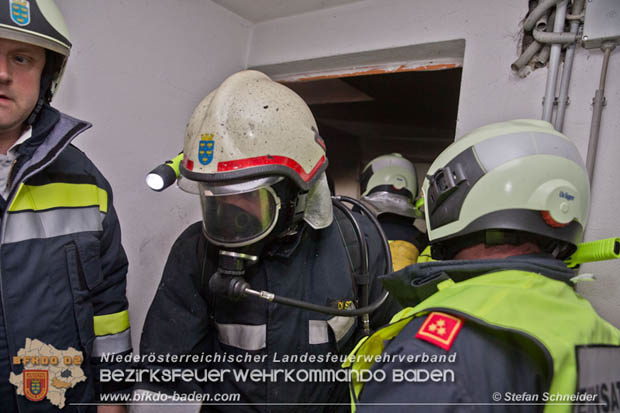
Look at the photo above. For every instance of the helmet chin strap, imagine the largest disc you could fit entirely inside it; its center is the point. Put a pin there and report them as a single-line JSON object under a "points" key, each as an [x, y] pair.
{"points": [[50, 70], [32, 118]]}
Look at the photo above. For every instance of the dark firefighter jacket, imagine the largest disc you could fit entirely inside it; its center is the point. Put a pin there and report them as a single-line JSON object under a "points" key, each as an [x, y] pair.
{"points": [[313, 267], [62, 266]]}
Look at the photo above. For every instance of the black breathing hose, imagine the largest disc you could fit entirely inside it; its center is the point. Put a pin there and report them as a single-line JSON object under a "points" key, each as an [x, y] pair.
{"points": [[319, 308]]}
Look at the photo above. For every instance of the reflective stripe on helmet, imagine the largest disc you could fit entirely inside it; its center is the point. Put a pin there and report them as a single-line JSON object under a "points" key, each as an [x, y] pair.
{"points": [[271, 160]]}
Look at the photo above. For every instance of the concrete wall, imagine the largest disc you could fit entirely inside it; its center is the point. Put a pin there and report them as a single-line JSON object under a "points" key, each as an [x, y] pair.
{"points": [[136, 71], [489, 90]]}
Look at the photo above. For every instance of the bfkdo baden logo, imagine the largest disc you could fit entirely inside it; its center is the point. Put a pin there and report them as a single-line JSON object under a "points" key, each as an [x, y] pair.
{"points": [[47, 372], [35, 384]]}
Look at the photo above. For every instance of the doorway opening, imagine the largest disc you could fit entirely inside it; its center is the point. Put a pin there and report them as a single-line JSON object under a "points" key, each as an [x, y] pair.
{"points": [[401, 100]]}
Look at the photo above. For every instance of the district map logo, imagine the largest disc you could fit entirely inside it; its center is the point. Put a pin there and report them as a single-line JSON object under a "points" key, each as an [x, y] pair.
{"points": [[48, 372], [20, 12]]}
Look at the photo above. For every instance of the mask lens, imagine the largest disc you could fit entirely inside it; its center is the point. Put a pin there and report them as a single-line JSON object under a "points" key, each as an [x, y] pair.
{"points": [[239, 219]]}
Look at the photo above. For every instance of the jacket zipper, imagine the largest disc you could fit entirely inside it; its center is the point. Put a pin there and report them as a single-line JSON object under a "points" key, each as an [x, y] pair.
{"points": [[10, 178]]}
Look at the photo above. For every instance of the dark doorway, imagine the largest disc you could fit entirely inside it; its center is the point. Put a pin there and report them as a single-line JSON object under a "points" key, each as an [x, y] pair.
{"points": [[361, 117]]}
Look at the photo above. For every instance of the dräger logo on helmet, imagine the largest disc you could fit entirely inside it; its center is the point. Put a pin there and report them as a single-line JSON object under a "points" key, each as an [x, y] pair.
{"points": [[566, 196], [20, 12]]}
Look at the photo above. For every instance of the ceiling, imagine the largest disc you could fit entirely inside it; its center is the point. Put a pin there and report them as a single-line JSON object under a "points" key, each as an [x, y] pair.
{"points": [[257, 11]]}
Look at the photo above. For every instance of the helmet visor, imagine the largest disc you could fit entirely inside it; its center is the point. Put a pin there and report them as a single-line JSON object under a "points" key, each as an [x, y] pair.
{"points": [[238, 219]]}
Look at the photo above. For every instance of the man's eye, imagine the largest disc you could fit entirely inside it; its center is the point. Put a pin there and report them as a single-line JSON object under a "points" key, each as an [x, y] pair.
{"points": [[21, 59]]}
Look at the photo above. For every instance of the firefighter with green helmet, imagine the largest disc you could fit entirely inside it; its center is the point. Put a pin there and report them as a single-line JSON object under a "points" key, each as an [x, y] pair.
{"points": [[497, 322], [62, 266], [389, 187], [254, 157]]}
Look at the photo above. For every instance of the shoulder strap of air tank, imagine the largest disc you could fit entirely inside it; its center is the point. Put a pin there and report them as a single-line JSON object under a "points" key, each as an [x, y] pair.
{"points": [[352, 245], [202, 277]]}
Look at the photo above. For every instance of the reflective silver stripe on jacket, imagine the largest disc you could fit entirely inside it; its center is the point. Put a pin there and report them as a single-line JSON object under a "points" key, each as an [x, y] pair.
{"points": [[243, 336], [112, 343], [22, 226], [341, 325], [318, 330]]}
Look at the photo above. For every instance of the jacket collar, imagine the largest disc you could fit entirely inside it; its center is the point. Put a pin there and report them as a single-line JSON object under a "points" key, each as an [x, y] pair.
{"points": [[51, 133], [416, 282]]}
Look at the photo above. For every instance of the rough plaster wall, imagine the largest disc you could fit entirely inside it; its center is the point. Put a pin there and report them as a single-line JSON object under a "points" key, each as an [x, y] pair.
{"points": [[136, 71], [489, 90]]}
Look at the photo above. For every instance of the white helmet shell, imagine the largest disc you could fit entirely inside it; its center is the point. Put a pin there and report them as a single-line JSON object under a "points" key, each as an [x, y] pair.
{"points": [[251, 126]]}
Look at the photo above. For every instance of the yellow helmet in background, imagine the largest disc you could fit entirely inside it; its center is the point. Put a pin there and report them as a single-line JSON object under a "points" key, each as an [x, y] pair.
{"points": [[389, 184]]}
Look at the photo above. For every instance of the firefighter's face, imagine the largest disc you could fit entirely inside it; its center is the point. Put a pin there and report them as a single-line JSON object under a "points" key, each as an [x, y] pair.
{"points": [[21, 66]]}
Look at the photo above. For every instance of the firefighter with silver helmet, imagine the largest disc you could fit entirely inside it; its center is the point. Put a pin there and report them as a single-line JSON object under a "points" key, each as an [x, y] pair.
{"points": [[62, 265], [254, 156], [504, 206], [389, 185]]}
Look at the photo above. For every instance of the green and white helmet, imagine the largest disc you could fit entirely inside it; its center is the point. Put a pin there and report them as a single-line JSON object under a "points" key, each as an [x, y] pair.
{"points": [[389, 184], [506, 179], [39, 22], [242, 141]]}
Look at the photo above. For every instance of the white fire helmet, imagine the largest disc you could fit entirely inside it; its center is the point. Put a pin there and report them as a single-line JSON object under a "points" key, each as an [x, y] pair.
{"points": [[245, 141]]}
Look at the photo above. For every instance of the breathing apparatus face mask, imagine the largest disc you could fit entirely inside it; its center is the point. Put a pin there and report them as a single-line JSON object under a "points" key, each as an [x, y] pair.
{"points": [[240, 214], [242, 219]]}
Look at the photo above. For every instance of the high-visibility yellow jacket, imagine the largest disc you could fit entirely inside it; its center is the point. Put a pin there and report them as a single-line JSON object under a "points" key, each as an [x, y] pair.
{"points": [[547, 312]]}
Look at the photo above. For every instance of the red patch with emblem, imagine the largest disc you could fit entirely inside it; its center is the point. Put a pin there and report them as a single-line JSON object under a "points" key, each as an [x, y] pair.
{"points": [[440, 329]]}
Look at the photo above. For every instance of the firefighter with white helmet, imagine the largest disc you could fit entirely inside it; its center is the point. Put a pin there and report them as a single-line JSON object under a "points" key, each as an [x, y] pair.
{"points": [[62, 265], [253, 154], [504, 206], [389, 186], [250, 134]]}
